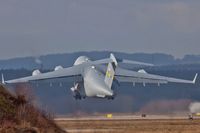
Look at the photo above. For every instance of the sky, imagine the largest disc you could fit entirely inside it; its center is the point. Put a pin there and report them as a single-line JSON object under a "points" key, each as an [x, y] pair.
{"points": [[40, 27]]}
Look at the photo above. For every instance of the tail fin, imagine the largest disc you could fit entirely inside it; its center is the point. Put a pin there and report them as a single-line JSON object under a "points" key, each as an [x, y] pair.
{"points": [[110, 73]]}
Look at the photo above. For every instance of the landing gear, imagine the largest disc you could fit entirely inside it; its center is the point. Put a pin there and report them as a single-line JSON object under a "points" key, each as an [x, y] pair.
{"points": [[78, 96], [111, 98]]}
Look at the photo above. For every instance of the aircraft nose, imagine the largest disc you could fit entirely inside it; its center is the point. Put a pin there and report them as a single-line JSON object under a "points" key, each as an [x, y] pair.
{"points": [[108, 92]]}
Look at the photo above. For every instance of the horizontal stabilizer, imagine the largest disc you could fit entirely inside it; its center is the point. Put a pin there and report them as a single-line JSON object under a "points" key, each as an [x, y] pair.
{"points": [[125, 61], [195, 78]]}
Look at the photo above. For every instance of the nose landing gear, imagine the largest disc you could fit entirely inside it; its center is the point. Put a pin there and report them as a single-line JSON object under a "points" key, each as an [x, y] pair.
{"points": [[77, 96]]}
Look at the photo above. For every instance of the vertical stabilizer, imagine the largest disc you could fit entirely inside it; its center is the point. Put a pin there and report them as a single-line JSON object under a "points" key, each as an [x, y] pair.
{"points": [[110, 73]]}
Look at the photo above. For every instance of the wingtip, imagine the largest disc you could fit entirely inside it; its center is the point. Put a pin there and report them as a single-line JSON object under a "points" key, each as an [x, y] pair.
{"points": [[195, 78], [2, 79]]}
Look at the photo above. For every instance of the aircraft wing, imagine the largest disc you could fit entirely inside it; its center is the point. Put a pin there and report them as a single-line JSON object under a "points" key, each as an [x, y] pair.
{"points": [[123, 75], [62, 73]]}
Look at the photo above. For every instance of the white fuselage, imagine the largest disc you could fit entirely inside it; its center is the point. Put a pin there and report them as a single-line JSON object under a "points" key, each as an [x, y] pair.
{"points": [[94, 83], [93, 80]]}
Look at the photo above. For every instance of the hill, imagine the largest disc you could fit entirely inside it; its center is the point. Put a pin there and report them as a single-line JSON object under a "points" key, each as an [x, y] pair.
{"points": [[19, 115], [67, 59]]}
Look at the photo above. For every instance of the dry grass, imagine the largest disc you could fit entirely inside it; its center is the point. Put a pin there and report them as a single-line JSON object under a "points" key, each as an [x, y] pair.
{"points": [[135, 126], [19, 115]]}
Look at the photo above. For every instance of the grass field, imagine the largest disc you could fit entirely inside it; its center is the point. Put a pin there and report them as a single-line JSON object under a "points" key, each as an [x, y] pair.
{"points": [[132, 126]]}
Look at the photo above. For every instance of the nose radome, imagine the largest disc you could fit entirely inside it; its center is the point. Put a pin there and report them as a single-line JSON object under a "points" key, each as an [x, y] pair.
{"points": [[108, 92]]}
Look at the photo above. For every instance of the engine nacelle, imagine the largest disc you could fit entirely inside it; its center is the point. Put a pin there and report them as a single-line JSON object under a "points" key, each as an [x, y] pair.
{"points": [[58, 68], [81, 60], [142, 71], [36, 72]]}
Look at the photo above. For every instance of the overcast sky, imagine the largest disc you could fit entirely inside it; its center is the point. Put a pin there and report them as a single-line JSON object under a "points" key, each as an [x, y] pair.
{"points": [[38, 27]]}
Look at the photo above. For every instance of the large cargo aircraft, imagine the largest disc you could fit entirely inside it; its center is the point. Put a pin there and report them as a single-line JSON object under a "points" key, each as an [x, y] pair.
{"points": [[96, 78]]}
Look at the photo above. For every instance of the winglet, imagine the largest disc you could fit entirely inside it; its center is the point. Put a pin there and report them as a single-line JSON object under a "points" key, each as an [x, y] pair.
{"points": [[2, 79], [195, 78]]}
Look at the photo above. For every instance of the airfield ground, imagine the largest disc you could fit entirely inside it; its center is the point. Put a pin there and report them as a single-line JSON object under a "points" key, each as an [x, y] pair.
{"points": [[151, 124]]}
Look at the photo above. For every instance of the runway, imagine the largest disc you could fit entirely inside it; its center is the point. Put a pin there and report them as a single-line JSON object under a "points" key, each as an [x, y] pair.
{"points": [[129, 123], [120, 117]]}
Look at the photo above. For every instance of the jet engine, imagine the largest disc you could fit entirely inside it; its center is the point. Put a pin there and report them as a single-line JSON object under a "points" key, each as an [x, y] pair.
{"points": [[58, 68], [36, 72], [142, 71]]}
